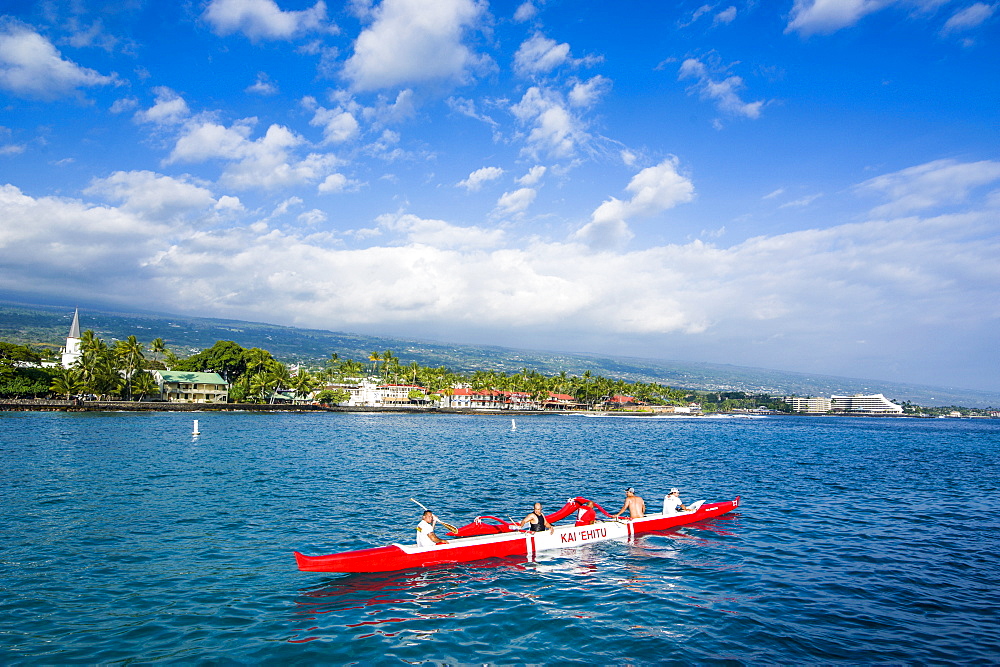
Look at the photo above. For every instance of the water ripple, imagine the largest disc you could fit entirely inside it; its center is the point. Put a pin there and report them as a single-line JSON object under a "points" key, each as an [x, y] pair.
{"points": [[859, 541]]}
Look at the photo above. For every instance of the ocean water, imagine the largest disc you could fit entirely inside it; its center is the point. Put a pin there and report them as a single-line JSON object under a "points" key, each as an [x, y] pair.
{"points": [[123, 538]]}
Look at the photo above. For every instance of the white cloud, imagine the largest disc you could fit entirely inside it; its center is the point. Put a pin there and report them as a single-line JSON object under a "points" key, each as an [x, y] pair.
{"points": [[477, 178], [440, 234], [586, 93], [827, 16], [924, 277], [335, 183], [929, 185], [263, 85], [697, 14], [554, 129], [386, 112], [512, 203], [971, 17], [206, 140], [266, 162], [533, 177], [30, 66], [228, 203], [338, 124], [539, 55], [153, 196], [801, 202], [726, 16], [169, 108], [311, 218], [415, 42], [262, 19], [468, 108], [654, 190], [724, 92], [124, 104], [525, 12], [50, 244]]}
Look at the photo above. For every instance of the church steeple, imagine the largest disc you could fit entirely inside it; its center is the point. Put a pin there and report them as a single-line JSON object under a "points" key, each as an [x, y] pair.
{"points": [[74, 329], [72, 352]]}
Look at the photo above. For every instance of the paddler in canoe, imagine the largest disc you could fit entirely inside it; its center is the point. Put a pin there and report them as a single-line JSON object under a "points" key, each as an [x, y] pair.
{"points": [[536, 521], [425, 531], [635, 505]]}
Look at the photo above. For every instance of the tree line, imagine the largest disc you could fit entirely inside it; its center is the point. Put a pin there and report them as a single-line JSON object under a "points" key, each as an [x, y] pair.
{"points": [[122, 371]]}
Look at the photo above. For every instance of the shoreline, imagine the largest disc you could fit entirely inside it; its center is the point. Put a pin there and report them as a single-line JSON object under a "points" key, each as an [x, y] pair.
{"points": [[55, 405], [48, 405]]}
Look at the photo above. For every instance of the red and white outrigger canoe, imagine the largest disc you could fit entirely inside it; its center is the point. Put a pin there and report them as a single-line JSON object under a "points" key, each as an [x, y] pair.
{"points": [[490, 537]]}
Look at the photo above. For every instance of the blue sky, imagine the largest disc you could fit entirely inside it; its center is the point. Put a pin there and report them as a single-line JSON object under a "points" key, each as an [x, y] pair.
{"points": [[811, 185]]}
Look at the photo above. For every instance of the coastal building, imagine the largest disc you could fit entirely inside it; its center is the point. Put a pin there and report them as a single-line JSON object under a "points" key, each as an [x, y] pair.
{"points": [[477, 399], [399, 394], [810, 405], [618, 401], [365, 393], [72, 352], [492, 399], [561, 402], [690, 409], [872, 404], [190, 387]]}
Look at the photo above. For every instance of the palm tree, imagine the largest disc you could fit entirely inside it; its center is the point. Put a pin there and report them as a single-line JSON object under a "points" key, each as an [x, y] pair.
{"points": [[129, 353], [374, 358], [278, 376], [261, 386], [88, 340], [68, 382], [144, 384], [157, 347], [98, 367], [304, 383], [352, 368]]}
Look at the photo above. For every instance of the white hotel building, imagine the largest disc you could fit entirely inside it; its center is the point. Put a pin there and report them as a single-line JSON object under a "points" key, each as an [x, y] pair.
{"points": [[859, 404], [813, 405], [873, 404]]}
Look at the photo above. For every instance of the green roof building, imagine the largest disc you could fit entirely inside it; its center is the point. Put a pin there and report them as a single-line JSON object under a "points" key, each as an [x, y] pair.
{"points": [[191, 387]]}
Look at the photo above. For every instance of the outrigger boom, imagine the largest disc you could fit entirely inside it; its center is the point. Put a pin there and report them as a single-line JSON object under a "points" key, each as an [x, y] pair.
{"points": [[499, 538]]}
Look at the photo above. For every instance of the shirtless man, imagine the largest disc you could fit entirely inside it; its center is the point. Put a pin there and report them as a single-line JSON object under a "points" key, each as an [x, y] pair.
{"points": [[635, 505], [425, 531], [536, 521]]}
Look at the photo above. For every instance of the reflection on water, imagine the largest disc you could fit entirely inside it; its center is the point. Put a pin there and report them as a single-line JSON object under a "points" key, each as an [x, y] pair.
{"points": [[399, 597]]}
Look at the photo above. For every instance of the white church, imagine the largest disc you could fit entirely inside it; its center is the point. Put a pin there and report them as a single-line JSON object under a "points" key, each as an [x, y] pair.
{"points": [[72, 352]]}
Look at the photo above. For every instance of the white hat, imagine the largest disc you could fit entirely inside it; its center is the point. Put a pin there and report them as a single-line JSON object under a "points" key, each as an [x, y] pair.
{"points": [[674, 491]]}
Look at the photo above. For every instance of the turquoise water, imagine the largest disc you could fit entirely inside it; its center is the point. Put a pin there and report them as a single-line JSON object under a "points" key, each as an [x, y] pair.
{"points": [[126, 539]]}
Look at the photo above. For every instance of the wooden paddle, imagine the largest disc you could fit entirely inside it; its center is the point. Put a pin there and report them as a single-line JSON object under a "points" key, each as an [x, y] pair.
{"points": [[443, 523]]}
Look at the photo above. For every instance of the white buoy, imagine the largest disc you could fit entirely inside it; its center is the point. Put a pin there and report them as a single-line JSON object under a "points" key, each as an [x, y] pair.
{"points": [[513, 425], [195, 431]]}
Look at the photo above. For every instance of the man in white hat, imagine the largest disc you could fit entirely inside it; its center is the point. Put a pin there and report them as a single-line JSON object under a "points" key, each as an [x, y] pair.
{"points": [[672, 503]]}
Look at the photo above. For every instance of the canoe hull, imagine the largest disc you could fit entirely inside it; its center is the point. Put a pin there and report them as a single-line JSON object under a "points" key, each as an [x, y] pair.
{"points": [[404, 556]]}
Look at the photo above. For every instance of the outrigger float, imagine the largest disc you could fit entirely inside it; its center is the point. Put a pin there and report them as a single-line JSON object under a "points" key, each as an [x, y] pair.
{"points": [[492, 537]]}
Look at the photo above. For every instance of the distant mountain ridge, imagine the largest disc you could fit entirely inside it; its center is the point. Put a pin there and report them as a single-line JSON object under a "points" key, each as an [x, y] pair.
{"points": [[38, 324]]}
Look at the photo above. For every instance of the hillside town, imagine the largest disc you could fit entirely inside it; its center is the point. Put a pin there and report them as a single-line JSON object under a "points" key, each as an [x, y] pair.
{"points": [[89, 369]]}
